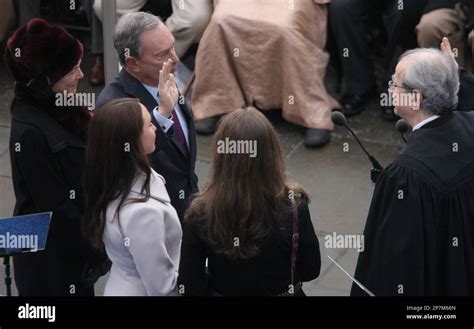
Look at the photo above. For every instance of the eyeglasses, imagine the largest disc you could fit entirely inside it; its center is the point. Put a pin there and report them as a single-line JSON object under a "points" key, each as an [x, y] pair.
{"points": [[392, 84]]}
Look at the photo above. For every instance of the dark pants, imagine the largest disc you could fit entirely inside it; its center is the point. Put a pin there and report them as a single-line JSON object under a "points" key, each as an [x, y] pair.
{"points": [[348, 21]]}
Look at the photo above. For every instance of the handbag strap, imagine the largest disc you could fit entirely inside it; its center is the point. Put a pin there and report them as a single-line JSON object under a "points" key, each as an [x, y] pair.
{"points": [[294, 241]]}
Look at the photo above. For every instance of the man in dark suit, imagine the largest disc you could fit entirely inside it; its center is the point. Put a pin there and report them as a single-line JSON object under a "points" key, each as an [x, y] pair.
{"points": [[146, 52]]}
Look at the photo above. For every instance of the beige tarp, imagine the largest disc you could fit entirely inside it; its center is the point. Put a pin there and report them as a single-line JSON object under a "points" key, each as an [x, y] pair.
{"points": [[269, 51]]}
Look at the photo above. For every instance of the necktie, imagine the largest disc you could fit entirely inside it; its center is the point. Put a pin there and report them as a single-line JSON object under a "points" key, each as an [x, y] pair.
{"points": [[178, 131]]}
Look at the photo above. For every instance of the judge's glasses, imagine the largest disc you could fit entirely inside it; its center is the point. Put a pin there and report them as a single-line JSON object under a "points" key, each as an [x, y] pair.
{"points": [[392, 84]]}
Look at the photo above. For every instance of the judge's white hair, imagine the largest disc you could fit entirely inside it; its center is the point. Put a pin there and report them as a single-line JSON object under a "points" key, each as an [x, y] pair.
{"points": [[436, 76], [128, 33]]}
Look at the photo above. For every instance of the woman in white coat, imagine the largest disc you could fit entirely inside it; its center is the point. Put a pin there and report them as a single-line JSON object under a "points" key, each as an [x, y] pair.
{"points": [[128, 210]]}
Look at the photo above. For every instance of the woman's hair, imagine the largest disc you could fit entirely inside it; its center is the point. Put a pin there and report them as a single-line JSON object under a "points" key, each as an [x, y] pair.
{"points": [[248, 190], [115, 157]]}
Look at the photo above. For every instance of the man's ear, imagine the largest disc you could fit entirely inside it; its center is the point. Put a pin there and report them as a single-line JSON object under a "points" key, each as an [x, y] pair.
{"points": [[416, 99], [133, 64]]}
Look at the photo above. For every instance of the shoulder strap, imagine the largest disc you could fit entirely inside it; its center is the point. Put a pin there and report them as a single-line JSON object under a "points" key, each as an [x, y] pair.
{"points": [[294, 241]]}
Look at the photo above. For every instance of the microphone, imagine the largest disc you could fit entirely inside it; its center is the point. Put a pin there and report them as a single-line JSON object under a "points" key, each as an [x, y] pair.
{"points": [[402, 127], [340, 120]]}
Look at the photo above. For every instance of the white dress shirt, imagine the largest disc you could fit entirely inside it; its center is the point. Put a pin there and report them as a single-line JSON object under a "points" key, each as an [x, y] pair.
{"points": [[422, 123]]}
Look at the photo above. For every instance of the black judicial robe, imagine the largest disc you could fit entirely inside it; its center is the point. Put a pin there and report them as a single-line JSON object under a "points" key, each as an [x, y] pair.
{"points": [[466, 96], [419, 235]]}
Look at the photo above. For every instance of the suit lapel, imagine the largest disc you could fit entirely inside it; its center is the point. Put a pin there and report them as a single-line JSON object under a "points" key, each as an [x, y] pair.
{"points": [[191, 132], [185, 108], [134, 88]]}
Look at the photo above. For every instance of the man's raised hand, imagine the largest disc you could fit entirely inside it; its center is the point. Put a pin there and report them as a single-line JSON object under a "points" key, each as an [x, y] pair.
{"points": [[168, 90]]}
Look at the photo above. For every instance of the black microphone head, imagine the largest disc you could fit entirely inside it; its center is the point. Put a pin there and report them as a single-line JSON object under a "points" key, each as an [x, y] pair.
{"points": [[338, 118], [402, 126]]}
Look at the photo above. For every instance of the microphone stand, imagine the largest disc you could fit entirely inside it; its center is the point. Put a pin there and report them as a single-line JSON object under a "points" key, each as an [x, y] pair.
{"points": [[8, 279], [376, 166], [340, 120], [403, 137]]}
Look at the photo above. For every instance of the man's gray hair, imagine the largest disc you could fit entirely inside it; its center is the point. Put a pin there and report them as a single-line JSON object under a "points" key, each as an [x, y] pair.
{"points": [[128, 33], [435, 75]]}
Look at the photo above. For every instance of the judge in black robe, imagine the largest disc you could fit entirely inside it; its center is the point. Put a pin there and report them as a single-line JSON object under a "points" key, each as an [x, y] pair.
{"points": [[419, 235], [466, 90]]}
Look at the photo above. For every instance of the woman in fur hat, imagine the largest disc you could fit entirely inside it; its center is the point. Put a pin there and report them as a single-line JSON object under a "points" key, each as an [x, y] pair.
{"points": [[47, 150]]}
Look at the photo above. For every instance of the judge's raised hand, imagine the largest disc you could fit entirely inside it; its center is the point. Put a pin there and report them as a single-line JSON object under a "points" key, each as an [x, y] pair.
{"points": [[446, 48], [168, 90]]}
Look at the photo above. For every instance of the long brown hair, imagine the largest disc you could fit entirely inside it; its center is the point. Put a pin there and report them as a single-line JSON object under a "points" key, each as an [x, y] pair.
{"points": [[245, 194], [115, 157]]}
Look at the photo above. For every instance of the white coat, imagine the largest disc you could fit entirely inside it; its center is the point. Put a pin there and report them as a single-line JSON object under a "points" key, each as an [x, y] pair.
{"points": [[145, 248]]}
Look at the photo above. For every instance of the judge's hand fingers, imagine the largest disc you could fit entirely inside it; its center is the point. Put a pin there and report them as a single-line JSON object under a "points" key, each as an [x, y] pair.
{"points": [[445, 46]]}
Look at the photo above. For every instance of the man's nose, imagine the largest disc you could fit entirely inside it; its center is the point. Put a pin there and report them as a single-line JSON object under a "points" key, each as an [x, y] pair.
{"points": [[174, 57]]}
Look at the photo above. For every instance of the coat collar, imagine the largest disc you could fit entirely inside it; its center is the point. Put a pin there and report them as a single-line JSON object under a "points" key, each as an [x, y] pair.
{"points": [[439, 121], [55, 134], [133, 87], [157, 187]]}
